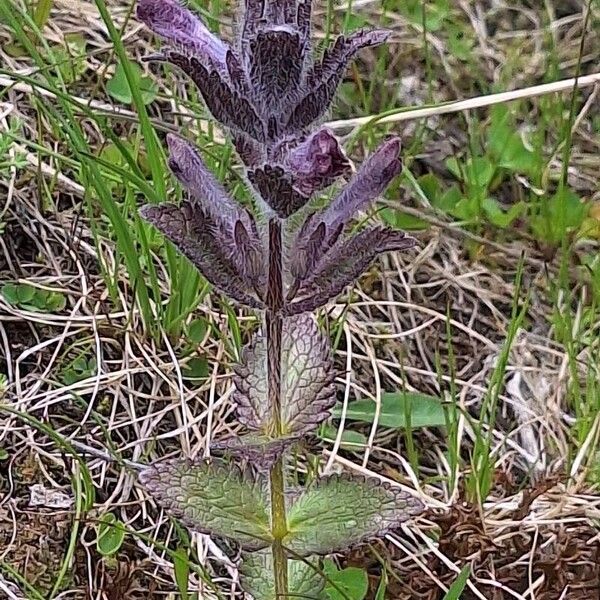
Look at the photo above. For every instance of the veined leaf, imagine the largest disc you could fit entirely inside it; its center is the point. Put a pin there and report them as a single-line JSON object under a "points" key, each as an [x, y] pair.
{"points": [[399, 410], [257, 577], [213, 497], [307, 391], [341, 510]]}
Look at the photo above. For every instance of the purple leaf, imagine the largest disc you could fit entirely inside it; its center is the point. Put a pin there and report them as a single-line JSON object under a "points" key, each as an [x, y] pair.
{"points": [[184, 30], [307, 390], [253, 16], [303, 17], [275, 68], [343, 264], [306, 167], [312, 241], [239, 239], [327, 75], [226, 105], [251, 152], [281, 12], [277, 190], [322, 229], [197, 238], [189, 168], [371, 180]]}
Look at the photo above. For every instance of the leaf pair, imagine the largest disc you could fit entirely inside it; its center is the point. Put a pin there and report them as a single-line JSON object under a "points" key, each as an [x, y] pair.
{"points": [[335, 512], [323, 261], [217, 235]]}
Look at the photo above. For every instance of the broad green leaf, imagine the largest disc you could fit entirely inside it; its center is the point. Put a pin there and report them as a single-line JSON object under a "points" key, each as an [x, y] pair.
{"points": [[505, 142], [500, 217], [197, 330], [118, 86], [304, 579], [341, 510], [398, 410], [563, 212], [111, 534], [460, 583], [350, 583], [10, 292], [213, 497], [431, 186], [447, 201], [480, 171], [351, 440], [307, 390], [196, 368], [26, 293]]}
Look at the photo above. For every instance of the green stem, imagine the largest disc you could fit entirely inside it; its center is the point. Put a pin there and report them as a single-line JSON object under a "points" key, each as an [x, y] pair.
{"points": [[274, 330]]}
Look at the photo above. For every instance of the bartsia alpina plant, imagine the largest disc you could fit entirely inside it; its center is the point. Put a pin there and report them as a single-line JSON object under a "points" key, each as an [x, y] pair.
{"points": [[285, 260]]}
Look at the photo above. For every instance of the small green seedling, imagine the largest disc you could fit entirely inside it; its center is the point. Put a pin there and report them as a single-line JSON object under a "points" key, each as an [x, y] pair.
{"points": [[29, 297]]}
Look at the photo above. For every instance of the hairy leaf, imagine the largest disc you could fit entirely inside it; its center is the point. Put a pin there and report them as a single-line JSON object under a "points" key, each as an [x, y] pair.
{"points": [[322, 229], [237, 236], [277, 189], [214, 497], [303, 17], [189, 168], [298, 169], [192, 231], [344, 263], [282, 12], [341, 510], [257, 577], [175, 23], [374, 175], [251, 152], [225, 104], [276, 66], [259, 450], [326, 76], [307, 390]]}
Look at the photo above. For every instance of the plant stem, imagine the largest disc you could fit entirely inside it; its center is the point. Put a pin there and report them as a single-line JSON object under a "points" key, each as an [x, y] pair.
{"points": [[274, 328]]}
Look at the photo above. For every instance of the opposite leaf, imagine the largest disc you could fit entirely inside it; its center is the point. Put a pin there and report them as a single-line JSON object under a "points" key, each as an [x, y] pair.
{"points": [[207, 247], [214, 497], [340, 511], [344, 264], [257, 577], [307, 390]]}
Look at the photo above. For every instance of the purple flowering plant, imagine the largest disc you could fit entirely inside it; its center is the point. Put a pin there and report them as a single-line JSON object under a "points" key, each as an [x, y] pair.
{"points": [[285, 259]]}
